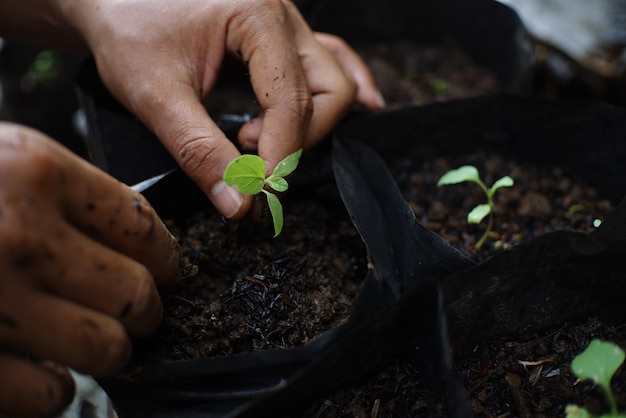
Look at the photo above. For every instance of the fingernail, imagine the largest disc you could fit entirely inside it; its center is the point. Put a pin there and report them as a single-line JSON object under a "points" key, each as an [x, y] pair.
{"points": [[226, 199], [380, 99]]}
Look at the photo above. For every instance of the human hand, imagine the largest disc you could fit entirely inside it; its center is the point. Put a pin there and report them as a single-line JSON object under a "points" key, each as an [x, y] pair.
{"points": [[161, 58], [79, 255]]}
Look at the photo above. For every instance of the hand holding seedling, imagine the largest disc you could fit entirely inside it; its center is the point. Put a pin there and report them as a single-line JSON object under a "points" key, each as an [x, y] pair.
{"points": [[470, 173], [598, 362], [161, 58], [247, 174]]}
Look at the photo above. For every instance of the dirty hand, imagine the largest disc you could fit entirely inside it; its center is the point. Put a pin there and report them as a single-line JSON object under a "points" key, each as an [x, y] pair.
{"points": [[79, 254], [161, 57]]}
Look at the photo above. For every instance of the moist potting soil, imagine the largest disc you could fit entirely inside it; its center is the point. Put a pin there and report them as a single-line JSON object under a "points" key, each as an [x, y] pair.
{"points": [[303, 283]]}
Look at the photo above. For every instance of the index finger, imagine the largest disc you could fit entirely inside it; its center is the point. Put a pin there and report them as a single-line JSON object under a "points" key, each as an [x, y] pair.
{"points": [[269, 48]]}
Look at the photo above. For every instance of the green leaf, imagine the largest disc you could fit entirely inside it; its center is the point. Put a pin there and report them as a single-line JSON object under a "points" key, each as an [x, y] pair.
{"points": [[598, 362], [478, 213], [575, 411], [246, 173], [276, 209], [459, 175], [286, 166], [505, 181], [575, 208], [277, 183]]}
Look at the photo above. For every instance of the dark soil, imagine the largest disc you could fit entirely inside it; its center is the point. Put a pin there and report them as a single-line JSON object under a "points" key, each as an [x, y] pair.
{"points": [[246, 291], [411, 75]]}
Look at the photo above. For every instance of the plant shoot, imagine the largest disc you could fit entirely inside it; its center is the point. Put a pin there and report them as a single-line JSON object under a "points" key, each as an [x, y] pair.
{"points": [[469, 173], [598, 362], [247, 174]]}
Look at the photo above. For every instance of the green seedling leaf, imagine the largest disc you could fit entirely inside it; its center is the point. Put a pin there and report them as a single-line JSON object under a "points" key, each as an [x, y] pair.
{"points": [[246, 173], [459, 175], [478, 213], [505, 181], [598, 362], [286, 166], [575, 411], [276, 209], [575, 208], [278, 183], [440, 85]]}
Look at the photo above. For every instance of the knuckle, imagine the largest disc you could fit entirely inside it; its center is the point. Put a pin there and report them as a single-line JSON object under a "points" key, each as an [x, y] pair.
{"points": [[21, 248], [303, 103], [349, 87], [30, 163], [272, 5], [256, 16], [144, 96], [333, 42], [195, 155], [269, 4]]}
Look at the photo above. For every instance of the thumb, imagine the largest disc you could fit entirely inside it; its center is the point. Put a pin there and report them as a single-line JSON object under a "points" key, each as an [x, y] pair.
{"points": [[197, 144]]}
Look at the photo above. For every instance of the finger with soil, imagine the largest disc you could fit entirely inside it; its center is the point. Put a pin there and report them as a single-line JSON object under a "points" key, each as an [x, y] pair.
{"points": [[31, 389], [103, 280], [61, 331]]}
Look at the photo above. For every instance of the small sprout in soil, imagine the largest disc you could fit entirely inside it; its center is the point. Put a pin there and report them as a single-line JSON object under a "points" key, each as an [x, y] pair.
{"points": [[598, 362], [44, 69], [575, 209], [247, 174], [470, 173], [440, 85]]}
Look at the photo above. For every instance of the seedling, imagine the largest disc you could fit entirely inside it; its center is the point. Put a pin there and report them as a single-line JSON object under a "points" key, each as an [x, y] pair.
{"points": [[468, 173], [598, 362], [247, 174]]}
